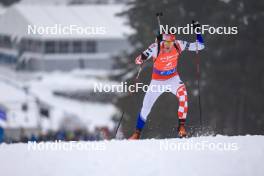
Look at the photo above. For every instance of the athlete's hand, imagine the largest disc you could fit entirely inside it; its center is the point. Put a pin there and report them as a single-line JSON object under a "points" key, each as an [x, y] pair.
{"points": [[138, 60], [196, 25]]}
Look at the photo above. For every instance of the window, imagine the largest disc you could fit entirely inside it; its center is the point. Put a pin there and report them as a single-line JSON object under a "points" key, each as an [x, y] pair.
{"points": [[5, 41], [30, 45], [64, 47], [36, 46], [77, 46], [90, 47], [44, 112], [23, 44], [50, 47]]}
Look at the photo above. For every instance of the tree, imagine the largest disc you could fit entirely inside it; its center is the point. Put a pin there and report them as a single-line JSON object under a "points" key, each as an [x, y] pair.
{"points": [[8, 2], [232, 79]]}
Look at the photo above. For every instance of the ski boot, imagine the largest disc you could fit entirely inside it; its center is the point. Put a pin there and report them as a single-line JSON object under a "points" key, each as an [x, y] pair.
{"points": [[181, 129], [135, 135]]}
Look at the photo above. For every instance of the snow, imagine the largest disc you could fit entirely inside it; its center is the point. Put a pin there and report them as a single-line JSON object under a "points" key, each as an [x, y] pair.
{"points": [[130, 158], [12, 96]]}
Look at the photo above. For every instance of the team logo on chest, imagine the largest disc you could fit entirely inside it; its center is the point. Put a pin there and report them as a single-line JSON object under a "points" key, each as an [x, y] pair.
{"points": [[169, 64], [168, 58]]}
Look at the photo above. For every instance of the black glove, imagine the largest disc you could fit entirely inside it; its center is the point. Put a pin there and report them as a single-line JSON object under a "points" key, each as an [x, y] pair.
{"points": [[158, 36], [196, 24]]}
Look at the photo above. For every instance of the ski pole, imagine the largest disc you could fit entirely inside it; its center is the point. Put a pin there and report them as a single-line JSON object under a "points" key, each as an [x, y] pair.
{"points": [[158, 35], [198, 83], [139, 71], [130, 93], [158, 15]]}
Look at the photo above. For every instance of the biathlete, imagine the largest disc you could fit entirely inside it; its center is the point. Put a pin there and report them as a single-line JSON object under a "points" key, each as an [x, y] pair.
{"points": [[165, 53]]}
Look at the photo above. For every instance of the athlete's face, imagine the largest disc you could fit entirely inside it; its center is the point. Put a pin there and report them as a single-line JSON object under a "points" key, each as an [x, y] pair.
{"points": [[168, 45]]}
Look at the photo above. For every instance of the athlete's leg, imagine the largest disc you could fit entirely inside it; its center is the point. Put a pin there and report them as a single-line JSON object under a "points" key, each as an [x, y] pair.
{"points": [[179, 89], [149, 100], [181, 94]]}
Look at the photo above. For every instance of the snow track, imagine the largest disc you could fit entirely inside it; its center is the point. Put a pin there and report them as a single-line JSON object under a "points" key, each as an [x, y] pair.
{"points": [[236, 156]]}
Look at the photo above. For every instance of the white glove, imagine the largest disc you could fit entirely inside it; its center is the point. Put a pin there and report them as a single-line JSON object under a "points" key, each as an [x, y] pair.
{"points": [[138, 60]]}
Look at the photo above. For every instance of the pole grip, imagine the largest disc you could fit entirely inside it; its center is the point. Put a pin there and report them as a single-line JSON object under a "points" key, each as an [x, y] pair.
{"points": [[158, 15]]}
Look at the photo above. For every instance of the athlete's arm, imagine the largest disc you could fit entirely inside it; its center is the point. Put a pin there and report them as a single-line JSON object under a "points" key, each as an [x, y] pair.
{"points": [[147, 54], [198, 45]]}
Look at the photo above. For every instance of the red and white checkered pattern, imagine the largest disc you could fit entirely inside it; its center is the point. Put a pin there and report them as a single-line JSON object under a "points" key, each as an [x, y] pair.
{"points": [[177, 88], [183, 102]]}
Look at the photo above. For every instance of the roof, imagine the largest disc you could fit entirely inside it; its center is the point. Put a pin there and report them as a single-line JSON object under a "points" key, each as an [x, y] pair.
{"points": [[18, 17]]}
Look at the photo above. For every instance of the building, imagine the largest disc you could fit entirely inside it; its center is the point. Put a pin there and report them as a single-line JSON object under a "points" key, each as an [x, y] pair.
{"points": [[30, 108], [32, 38]]}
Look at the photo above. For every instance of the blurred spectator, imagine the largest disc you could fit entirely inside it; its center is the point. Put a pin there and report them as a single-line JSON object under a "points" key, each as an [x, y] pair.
{"points": [[33, 138], [100, 133], [61, 135], [1, 135], [23, 137]]}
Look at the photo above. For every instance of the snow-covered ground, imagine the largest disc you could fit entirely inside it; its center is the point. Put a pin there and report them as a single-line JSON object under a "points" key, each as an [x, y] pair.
{"points": [[235, 156]]}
